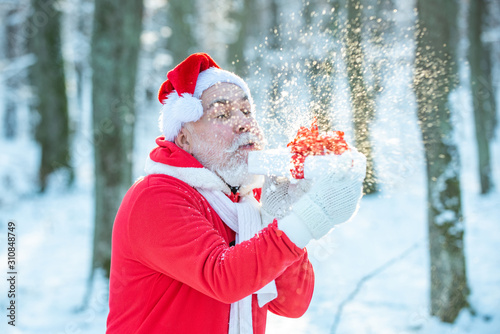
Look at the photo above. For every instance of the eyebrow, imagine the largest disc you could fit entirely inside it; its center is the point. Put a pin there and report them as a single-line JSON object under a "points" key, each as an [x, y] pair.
{"points": [[225, 101], [219, 100]]}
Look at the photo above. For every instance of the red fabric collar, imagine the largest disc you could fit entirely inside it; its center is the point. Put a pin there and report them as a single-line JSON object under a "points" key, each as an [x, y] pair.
{"points": [[169, 153], [235, 198]]}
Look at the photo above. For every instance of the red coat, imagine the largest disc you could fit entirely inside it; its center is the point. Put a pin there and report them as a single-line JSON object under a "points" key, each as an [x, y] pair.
{"points": [[173, 271]]}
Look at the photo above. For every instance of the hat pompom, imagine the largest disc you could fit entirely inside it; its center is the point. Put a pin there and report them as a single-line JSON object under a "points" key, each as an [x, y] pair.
{"points": [[176, 111]]}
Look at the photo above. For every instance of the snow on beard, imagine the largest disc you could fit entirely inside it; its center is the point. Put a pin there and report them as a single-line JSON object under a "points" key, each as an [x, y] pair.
{"points": [[235, 171], [230, 163]]}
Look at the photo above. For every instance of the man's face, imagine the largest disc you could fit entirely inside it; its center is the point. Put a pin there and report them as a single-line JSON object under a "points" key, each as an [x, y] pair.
{"points": [[227, 131]]}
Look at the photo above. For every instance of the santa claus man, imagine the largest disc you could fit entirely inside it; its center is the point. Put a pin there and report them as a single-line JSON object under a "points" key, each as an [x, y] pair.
{"points": [[193, 249]]}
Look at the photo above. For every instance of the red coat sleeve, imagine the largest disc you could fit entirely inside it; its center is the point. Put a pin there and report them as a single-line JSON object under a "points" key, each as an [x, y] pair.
{"points": [[173, 230], [295, 289]]}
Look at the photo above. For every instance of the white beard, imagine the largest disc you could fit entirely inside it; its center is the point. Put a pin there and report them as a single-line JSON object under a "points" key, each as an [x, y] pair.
{"points": [[236, 175], [230, 163]]}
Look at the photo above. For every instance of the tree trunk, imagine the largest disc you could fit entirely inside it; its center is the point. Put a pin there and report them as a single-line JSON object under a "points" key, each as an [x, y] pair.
{"points": [[81, 62], [114, 58], [362, 103], [320, 73], [236, 49], [321, 87], [8, 84], [380, 28], [278, 75], [434, 78], [483, 95], [181, 18], [48, 79]]}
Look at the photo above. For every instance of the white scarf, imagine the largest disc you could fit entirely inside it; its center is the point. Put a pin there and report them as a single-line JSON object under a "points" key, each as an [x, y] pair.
{"points": [[242, 217]]}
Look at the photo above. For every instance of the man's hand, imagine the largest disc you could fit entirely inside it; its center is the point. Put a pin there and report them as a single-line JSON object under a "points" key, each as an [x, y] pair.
{"points": [[278, 195], [332, 199]]}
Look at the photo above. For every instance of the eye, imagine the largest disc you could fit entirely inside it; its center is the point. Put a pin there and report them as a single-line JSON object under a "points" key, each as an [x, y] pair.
{"points": [[246, 111], [223, 114]]}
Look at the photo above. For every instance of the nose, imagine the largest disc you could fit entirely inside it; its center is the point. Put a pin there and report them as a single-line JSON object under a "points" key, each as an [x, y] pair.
{"points": [[243, 123]]}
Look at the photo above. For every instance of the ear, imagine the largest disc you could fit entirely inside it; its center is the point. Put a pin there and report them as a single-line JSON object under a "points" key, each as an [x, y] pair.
{"points": [[183, 139]]}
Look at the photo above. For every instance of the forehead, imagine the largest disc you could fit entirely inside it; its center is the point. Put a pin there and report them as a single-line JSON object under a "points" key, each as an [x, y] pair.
{"points": [[222, 90]]}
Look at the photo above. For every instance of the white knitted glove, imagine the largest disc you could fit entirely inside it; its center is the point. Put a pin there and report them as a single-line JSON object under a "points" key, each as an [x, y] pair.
{"points": [[332, 199], [278, 195]]}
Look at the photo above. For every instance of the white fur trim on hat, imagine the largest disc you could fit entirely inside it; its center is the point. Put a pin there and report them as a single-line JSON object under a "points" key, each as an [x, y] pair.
{"points": [[213, 75], [178, 110]]}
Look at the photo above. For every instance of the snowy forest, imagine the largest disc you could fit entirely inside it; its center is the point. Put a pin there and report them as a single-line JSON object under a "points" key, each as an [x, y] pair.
{"points": [[414, 84]]}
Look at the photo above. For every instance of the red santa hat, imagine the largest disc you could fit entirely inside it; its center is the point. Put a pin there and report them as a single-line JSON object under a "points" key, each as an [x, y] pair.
{"points": [[181, 93]]}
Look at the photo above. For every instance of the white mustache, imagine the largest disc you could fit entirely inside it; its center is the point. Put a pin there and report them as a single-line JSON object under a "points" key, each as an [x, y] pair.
{"points": [[244, 139]]}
